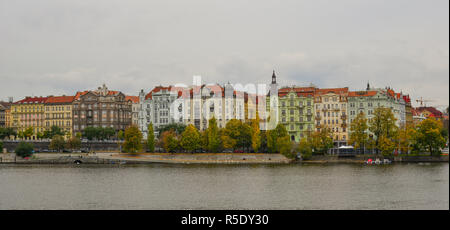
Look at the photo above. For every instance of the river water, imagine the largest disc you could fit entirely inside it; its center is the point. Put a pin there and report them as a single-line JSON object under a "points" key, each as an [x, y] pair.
{"points": [[168, 186]]}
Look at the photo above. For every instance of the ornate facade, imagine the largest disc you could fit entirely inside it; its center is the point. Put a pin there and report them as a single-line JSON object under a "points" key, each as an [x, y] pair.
{"points": [[101, 108]]}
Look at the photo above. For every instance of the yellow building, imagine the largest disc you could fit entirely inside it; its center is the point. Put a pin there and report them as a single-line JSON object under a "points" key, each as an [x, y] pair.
{"points": [[28, 113], [58, 112], [331, 112]]}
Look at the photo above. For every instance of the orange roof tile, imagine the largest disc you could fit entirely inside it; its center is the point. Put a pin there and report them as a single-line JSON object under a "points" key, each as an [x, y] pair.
{"points": [[362, 93], [60, 99], [134, 99]]}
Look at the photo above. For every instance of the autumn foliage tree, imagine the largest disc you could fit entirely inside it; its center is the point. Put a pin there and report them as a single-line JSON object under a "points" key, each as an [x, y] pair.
{"points": [[190, 139], [255, 134], [429, 136], [321, 140], [151, 138], [133, 140], [170, 141], [214, 144], [358, 131], [382, 125]]}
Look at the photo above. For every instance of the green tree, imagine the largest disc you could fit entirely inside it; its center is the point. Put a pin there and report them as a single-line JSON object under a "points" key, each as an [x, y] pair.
{"points": [[24, 149], [429, 136], [39, 135], [1, 147], [255, 134], [54, 130], [90, 133], [57, 143], [386, 145], [120, 135], [133, 139], [190, 139], [383, 124], [169, 141], [151, 138], [28, 133], [321, 140], [285, 146], [73, 143], [406, 136], [212, 132], [358, 132], [273, 136], [178, 128], [305, 149], [7, 133]]}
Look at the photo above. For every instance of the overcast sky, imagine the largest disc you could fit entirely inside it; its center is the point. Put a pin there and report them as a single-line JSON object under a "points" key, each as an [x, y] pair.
{"points": [[63, 46]]}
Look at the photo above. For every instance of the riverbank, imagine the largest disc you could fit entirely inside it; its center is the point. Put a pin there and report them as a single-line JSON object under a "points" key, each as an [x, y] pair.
{"points": [[148, 158], [199, 158]]}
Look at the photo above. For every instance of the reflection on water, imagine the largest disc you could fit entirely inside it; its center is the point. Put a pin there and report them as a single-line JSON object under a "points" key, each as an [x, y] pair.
{"points": [[166, 186]]}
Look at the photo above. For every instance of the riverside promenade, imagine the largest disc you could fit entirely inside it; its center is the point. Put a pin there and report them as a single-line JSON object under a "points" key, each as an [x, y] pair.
{"points": [[147, 158], [198, 158]]}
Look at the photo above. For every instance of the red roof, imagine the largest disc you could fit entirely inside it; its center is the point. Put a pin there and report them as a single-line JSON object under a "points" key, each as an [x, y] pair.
{"points": [[332, 90], [79, 94], [434, 112], [32, 100], [60, 99], [362, 93], [300, 91], [134, 99]]}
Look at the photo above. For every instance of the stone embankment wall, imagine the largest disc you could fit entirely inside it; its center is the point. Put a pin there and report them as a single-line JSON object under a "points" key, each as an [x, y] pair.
{"points": [[94, 145]]}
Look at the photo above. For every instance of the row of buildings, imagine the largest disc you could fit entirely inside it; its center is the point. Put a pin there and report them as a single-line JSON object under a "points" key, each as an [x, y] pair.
{"points": [[72, 114], [301, 109]]}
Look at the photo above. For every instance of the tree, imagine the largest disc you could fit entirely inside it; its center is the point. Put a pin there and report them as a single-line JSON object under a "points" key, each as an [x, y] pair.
{"points": [[28, 133], [169, 141], [7, 133], [133, 139], [406, 138], [1, 147], [321, 140], [24, 149], [237, 134], [178, 128], [90, 133], [305, 149], [106, 133], [285, 146], [57, 143], [383, 124], [190, 139], [273, 136], [73, 143], [386, 145], [54, 130], [39, 135], [429, 136], [151, 138], [358, 132], [255, 134], [120, 135], [214, 141]]}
